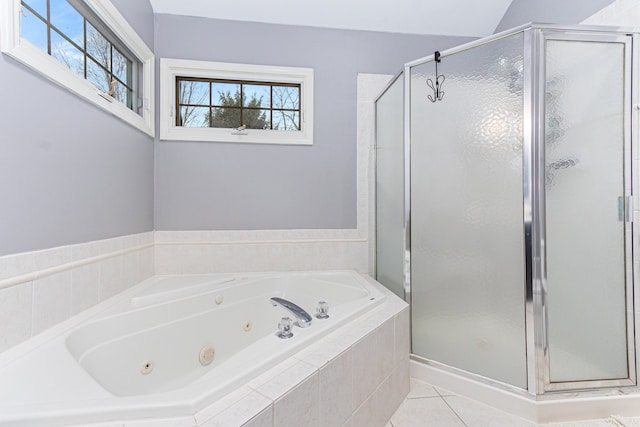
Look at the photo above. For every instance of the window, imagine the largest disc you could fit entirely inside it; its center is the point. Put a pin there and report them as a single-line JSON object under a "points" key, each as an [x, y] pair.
{"points": [[212, 101], [87, 47], [232, 104]]}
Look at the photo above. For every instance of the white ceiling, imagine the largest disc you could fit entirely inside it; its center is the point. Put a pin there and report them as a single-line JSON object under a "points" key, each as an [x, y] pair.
{"points": [[475, 18]]}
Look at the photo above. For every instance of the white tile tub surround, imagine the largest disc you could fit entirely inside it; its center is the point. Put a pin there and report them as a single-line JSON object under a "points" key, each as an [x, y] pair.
{"points": [[190, 252], [321, 385], [43, 288], [40, 289], [15, 314], [217, 251]]}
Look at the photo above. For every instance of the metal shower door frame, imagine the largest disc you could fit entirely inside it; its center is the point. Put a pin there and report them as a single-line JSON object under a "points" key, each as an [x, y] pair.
{"points": [[538, 373], [407, 194], [535, 209]]}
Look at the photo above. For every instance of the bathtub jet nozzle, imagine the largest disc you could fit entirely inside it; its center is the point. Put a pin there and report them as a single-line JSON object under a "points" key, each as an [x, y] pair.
{"points": [[303, 319]]}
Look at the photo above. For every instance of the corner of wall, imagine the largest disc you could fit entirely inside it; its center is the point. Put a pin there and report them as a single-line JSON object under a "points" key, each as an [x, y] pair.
{"points": [[43, 288]]}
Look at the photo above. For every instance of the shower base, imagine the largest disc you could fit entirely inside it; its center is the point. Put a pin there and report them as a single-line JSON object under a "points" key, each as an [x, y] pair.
{"points": [[552, 407]]}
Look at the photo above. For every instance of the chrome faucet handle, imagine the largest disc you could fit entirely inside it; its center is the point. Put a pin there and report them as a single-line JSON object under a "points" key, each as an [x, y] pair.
{"points": [[284, 328], [303, 318], [322, 310]]}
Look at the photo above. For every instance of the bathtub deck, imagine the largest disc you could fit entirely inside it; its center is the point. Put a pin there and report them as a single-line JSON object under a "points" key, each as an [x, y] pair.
{"points": [[358, 374]]}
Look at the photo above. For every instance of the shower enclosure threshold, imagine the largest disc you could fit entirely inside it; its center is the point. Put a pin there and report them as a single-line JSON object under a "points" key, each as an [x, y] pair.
{"points": [[547, 408]]}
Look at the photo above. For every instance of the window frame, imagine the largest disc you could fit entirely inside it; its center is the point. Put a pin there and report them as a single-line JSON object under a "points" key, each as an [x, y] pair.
{"points": [[241, 108], [171, 69], [20, 49]]}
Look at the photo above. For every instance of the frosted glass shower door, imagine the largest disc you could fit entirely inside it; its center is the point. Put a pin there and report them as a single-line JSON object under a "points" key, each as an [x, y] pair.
{"points": [[390, 246], [587, 241], [467, 237]]}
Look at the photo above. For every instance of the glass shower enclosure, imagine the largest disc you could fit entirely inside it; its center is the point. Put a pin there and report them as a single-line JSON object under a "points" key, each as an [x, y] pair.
{"points": [[505, 206]]}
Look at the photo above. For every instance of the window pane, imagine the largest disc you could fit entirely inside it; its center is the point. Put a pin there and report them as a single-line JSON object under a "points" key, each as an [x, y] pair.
{"points": [[194, 117], [194, 93], [256, 119], [122, 94], [225, 118], [33, 29], [286, 97], [98, 47], [40, 6], [66, 19], [226, 94], [66, 53], [286, 120], [256, 96], [121, 67], [59, 28], [98, 75]]}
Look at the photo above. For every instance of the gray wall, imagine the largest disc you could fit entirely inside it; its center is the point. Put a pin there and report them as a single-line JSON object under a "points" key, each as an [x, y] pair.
{"points": [[549, 12], [223, 186], [69, 171]]}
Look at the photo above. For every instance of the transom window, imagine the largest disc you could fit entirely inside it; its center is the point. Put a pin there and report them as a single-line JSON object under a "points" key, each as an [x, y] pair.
{"points": [[86, 47], [70, 33], [233, 104]]}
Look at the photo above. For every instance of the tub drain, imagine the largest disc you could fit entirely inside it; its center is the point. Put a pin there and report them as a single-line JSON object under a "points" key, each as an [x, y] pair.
{"points": [[247, 326], [147, 367], [206, 355]]}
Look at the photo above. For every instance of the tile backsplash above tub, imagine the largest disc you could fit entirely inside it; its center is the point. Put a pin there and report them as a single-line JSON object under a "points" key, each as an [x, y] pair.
{"points": [[43, 288], [199, 252]]}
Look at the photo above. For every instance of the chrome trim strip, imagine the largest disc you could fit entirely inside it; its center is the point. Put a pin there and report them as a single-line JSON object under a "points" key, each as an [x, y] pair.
{"points": [[630, 236], [406, 268], [547, 397], [539, 215], [579, 28], [470, 45], [388, 85], [635, 153], [374, 268], [528, 137], [407, 184], [479, 378], [551, 34], [585, 385], [520, 28]]}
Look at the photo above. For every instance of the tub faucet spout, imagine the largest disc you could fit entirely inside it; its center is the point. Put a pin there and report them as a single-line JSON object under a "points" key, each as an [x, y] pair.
{"points": [[303, 318]]}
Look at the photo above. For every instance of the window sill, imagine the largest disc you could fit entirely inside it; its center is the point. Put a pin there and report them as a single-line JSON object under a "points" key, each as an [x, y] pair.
{"points": [[249, 136]]}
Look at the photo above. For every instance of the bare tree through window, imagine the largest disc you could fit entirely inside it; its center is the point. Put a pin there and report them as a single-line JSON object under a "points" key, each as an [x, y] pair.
{"points": [[76, 43], [232, 104]]}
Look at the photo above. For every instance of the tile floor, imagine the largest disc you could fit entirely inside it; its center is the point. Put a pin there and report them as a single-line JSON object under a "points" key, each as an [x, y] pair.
{"points": [[427, 406]]}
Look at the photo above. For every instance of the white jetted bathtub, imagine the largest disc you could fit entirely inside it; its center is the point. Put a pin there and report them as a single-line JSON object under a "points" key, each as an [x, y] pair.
{"points": [[170, 346]]}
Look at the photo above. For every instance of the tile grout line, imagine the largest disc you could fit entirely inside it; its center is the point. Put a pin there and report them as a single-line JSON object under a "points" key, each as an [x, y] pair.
{"points": [[617, 421], [421, 397], [453, 410]]}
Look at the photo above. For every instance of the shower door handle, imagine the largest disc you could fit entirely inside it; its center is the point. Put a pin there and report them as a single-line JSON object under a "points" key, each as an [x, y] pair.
{"points": [[624, 208]]}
